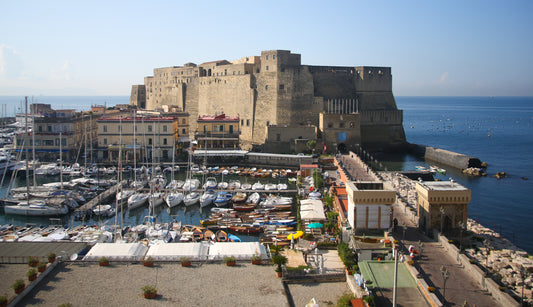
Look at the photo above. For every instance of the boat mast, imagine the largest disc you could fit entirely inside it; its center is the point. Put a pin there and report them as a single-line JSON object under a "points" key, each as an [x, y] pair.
{"points": [[27, 153], [33, 145], [60, 161]]}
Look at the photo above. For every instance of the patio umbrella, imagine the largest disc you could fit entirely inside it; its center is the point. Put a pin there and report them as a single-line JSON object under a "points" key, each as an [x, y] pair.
{"points": [[315, 225]]}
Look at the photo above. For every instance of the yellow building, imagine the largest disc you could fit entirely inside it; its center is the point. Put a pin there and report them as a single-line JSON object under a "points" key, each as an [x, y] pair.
{"points": [[149, 139], [442, 205], [220, 132], [370, 204]]}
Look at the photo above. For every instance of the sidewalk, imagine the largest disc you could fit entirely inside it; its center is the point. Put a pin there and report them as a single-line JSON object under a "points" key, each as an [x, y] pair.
{"points": [[460, 287]]}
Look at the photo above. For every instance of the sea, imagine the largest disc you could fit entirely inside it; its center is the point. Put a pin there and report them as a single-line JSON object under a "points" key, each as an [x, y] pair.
{"points": [[497, 130]]}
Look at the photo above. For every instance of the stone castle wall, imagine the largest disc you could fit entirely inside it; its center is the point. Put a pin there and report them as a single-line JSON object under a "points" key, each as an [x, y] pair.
{"points": [[275, 89]]}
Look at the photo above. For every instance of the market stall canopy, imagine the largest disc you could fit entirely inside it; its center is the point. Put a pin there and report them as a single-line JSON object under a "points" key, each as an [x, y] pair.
{"points": [[312, 210]]}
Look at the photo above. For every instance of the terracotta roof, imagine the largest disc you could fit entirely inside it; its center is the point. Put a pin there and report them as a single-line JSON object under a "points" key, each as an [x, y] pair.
{"points": [[308, 166]]}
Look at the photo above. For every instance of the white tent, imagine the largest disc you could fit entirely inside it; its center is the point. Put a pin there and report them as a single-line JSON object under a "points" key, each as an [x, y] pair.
{"points": [[312, 210], [175, 251], [117, 251], [239, 250]]}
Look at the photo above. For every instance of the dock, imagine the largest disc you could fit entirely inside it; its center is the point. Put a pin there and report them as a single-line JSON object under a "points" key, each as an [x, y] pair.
{"points": [[101, 198]]}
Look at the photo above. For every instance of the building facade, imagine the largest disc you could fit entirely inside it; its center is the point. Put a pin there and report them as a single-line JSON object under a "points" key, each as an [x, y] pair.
{"points": [[218, 132], [74, 133], [276, 89], [442, 205], [370, 205], [146, 139]]}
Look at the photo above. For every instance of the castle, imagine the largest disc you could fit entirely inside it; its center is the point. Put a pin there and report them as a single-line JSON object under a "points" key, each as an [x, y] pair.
{"points": [[276, 90]]}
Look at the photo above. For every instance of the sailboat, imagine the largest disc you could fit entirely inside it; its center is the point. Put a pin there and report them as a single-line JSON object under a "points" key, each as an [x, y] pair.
{"points": [[191, 184], [173, 197]]}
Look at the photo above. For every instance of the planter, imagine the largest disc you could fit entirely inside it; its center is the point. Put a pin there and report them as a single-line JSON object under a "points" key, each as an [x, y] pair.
{"points": [[148, 264], [32, 278], [41, 269], [230, 263], [278, 274], [103, 263], [51, 260], [19, 290], [186, 263], [150, 295], [257, 262]]}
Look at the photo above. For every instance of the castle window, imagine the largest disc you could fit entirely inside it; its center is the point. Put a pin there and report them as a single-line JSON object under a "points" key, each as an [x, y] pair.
{"points": [[105, 141], [221, 128], [225, 72], [182, 131], [242, 122], [105, 128], [248, 122], [273, 57], [164, 128], [341, 125], [267, 67], [183, 121], [266, 87], [149, 141], [282, 86], [239, 72], [149, 128], [257, 70], [330, 125], [268, 123], [267, 59], [234, 73], [165, 141]]}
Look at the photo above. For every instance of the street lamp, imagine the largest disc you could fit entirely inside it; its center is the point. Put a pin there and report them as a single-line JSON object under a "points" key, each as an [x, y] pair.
{"points": [[487, 246], [404, 230], [523, 274], [445, 276], [421, 248]]}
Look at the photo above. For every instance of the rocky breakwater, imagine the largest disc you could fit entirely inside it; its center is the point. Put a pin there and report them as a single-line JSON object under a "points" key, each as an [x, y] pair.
{"points": [[509, 265]]}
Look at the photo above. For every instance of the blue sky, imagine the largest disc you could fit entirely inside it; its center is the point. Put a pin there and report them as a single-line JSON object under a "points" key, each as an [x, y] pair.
{"points": [[435, 48]]}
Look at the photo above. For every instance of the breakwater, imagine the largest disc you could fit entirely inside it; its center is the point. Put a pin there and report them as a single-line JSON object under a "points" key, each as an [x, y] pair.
{"points": [[446, 157]]}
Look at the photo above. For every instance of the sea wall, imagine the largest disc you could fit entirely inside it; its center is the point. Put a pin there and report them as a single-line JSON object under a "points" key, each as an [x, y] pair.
{"points": [[446, 157]]}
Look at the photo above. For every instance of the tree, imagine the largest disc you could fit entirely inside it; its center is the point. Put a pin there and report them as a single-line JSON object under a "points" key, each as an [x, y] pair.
{"points": [[311, 144]]}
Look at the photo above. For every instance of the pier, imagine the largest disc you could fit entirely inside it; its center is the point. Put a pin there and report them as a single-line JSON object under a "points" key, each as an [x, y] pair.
{"points": [[102, 197]]}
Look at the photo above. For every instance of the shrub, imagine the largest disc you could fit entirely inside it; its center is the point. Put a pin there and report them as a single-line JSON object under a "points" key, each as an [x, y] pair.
{"points": [[369, 300], [344, 300], [346, 254], [51, 257], [41, 266], [148, 289], [276, 249], [229, 260], [32, 261], [3, 300], [31, 272], [279, 260], [18, 284], [103, 261]]}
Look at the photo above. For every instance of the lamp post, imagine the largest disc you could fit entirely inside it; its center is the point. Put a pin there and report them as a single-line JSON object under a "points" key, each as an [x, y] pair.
{"points": [[487, 246], [445, 276], [421, 248], [523, 274], [404, 230]]}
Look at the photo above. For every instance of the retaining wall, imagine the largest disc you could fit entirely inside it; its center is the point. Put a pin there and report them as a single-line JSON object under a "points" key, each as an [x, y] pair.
{"points": [[447, 157]]}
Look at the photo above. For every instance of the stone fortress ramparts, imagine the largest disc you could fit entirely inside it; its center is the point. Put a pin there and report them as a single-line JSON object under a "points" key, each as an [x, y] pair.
{"points": [[276, 89]]}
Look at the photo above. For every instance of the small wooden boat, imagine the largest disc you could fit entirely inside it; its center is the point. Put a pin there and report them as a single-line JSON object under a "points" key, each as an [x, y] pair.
{"points": [[239, 197], [246, 229], [243, 207], [222, 236], [209, 235]]}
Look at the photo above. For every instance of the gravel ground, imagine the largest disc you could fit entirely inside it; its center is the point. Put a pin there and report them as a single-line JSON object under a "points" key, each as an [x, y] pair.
{"points": [[8, 274], [120, 285], [326, 294]]}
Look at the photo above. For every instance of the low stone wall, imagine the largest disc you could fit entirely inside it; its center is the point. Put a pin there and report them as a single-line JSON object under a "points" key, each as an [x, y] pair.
{"points": [[504, 298]]}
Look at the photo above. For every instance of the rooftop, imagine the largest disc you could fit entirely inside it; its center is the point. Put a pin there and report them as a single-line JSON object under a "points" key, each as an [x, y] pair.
{"points": [[442, 186]]}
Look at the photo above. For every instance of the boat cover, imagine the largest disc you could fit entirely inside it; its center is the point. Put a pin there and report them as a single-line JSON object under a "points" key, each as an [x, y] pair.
{"points": [[195, 251], [117, 251], [239, 250]]}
